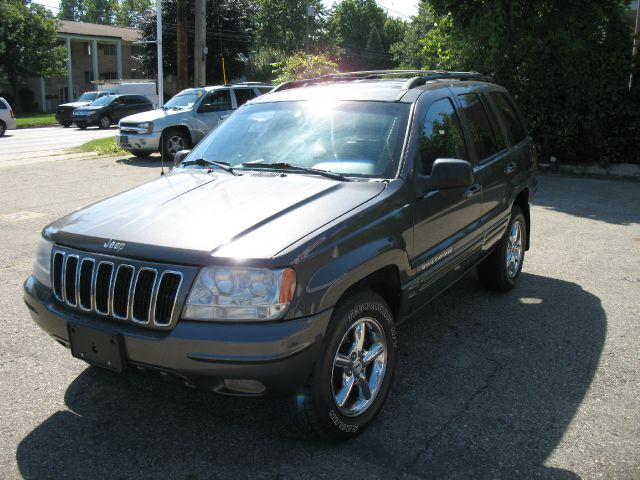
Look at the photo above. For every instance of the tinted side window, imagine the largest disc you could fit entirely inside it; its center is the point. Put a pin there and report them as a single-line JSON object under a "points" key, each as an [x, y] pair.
{"points": [[264, 90], [243, 95], [508, 116], [441, 135], [217, 101], [481, 131], [2, 105]]}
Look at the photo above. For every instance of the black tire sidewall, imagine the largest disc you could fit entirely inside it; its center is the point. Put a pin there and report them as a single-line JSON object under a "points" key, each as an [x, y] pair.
{"points": [[3, 128], [334, 423], [100, 121], [165, 141]]}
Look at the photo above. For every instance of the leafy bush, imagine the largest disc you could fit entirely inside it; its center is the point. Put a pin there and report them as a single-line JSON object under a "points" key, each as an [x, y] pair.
{"points": [[301, 65]]}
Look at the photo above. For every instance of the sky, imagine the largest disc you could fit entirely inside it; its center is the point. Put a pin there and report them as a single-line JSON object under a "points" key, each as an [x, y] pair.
{"points": [[398, 8]]}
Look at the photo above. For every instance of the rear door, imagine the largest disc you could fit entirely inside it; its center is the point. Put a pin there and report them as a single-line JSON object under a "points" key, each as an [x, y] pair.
{"points": [[243, 95], [494, 162], [447, 228]]}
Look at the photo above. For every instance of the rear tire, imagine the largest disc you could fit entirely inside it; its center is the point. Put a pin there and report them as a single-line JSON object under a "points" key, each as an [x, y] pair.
{"points": [[140, 153], [65, 124], [353, 373], [82, 126], [500, 270], [3, 128], [104, 122]]}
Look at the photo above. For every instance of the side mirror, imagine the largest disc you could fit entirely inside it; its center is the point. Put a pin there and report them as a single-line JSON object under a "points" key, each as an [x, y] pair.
{"points": [[179, 156], [447, 173]]}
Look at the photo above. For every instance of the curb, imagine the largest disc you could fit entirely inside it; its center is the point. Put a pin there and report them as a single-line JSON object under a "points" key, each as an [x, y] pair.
{"points": [[619, 171]]}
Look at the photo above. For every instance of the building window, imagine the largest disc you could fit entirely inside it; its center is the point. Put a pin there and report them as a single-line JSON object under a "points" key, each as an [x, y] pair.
{"points": [[88, 77], [88, 48], [109, 76], [109, 49]]}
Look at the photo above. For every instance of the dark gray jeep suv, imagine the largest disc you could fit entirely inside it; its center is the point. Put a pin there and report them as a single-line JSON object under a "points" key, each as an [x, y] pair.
{"points": [[280, 254]]}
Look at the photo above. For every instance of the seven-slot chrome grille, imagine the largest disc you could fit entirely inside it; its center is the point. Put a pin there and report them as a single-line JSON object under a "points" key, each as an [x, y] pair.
{"points": [[119, 288]]}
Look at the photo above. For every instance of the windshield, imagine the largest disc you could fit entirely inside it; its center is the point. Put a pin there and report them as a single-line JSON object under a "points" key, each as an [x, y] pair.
{"points": [[104, 100], [88, 97], [184, 99], [361, 139]]}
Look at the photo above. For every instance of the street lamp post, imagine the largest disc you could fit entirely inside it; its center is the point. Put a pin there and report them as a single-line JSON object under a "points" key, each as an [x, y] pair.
{"points": [[159, 45]]}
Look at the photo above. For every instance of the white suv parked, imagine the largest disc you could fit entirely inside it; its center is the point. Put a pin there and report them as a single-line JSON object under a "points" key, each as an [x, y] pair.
{"points": [[7, 117], [185, 119]]}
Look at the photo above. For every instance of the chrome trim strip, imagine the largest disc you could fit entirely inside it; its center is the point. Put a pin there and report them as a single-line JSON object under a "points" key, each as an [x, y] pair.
{"points": [[135, 290], [93, 268], [110, 283], [66, 263], [175, 298], [113, 287]]}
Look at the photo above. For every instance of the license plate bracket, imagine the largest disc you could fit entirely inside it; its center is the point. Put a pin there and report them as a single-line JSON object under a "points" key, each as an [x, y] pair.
{"points": [[96, 347], [124, 139]]}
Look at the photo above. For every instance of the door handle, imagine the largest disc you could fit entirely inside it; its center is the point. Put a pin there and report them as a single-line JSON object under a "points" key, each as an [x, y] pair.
{"points": [[510, 168], [472, 190]]}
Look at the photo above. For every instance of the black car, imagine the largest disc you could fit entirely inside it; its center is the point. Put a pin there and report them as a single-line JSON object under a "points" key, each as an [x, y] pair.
{"points": [[64, 111], [108, 110], [281, 253]]}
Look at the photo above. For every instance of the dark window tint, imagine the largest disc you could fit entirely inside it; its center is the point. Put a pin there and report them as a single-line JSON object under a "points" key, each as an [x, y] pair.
{"points": [[216, 101], [243, 95], [508, 116], [2, 105], [441, 135], [482, 134], [264, 90]]}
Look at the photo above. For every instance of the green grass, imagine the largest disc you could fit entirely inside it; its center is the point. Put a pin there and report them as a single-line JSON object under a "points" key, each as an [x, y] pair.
{"points": [[35, 119], [102, 146]]}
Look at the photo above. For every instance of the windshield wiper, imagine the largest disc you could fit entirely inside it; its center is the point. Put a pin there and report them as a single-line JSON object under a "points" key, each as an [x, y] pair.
{"points": [[226, 166], [297, 168]]}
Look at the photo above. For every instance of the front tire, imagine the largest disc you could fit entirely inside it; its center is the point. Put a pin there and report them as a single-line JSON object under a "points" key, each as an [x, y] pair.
{"points": [[354, 372], [65, 124], [82, 126], [140, 153], [104, 122], [172, 142], [3, 128], [500, 270]]}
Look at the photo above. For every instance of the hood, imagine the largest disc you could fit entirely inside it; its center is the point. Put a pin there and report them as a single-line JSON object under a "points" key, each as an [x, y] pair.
{"points": [[91, 107], [74, 104], [196, 214], [152, 115]]}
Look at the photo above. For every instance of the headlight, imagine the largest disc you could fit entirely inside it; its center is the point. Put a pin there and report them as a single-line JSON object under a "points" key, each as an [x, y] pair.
{"points": [[148, 126], [42, 265], [230, 293]]}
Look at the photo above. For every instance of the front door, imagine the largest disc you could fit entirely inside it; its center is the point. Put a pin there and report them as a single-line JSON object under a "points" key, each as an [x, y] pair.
{"points": [[447, 228], [214, 106]]}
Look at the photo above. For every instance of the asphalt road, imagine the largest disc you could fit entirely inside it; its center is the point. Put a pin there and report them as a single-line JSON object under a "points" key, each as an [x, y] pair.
{"points": [[542, 382], [25, 142]]}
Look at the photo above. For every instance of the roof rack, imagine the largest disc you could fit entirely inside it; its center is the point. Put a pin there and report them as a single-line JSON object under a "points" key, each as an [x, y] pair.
{"points": [[419, 77]]}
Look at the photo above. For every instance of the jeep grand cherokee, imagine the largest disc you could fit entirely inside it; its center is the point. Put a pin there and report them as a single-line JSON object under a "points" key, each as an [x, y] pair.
{"points": [[280, 254]]}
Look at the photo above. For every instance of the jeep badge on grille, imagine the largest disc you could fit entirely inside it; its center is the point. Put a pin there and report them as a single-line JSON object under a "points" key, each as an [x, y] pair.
{"points": [[114, 245]]}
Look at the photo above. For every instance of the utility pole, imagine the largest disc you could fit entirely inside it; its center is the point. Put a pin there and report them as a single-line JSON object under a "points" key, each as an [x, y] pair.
{"points": [[181, 46], [160, 79], [200, 45]]}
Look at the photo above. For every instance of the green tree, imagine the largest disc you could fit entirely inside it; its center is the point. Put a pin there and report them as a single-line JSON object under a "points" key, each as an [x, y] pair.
{"points": [[407, 50], [301, 65], [132, 12], [566, 61], [91, 11], [374, 54], [28, 43]]}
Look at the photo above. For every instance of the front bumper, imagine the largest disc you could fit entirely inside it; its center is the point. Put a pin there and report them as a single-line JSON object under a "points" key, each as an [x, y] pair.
{"points": [[139, 141], [280, 355], [86, 119], [64, 116]]}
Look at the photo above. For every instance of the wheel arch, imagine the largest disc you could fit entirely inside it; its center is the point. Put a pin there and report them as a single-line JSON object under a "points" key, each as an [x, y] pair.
{"points": [[522, 201], [180, 128]]}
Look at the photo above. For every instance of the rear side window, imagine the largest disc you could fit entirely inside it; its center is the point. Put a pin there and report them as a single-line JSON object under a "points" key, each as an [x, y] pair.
{"points": [[264, 90], [508, 117], [441, 135], [243, 95], [216, 101], [482, 133], [3, 105]]}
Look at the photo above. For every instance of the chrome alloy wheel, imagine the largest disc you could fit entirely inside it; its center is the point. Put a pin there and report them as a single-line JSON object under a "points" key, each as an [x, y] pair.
{"points": [[514, 249], [359, 367], [104, 121], [175, 143]]}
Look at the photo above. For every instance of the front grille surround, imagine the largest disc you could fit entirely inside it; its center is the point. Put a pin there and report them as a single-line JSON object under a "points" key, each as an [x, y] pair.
{"points": [[121, 289]]}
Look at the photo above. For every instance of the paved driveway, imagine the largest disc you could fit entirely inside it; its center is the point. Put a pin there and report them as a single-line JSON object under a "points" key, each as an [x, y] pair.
{"points": [[28, 142], [542, 382]]}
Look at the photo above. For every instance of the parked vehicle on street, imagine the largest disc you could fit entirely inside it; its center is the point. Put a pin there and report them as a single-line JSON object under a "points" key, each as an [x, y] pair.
{"points": [[280, 254], [64, 112], [146, 88], [110, 109], [185, 119], [7, 117]]}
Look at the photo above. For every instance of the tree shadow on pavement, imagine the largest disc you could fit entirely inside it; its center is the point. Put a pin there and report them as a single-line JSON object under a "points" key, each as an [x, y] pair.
{"points": [[610, 201], [486, 386], [152, 161]]}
